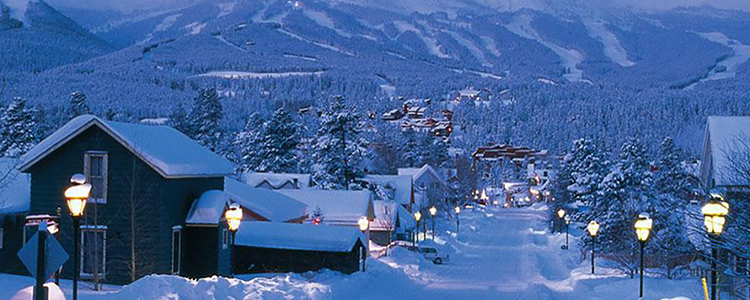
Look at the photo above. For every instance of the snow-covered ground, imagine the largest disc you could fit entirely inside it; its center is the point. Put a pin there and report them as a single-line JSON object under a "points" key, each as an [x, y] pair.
{"points": [[498, 254], [726, 68]]}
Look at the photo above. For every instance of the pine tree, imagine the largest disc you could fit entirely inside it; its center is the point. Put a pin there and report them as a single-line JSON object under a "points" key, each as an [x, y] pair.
{"points": [[77, 105], [205, 119], [671, 177], [250, 142], [582, 171], [18, 129], [434, 151], [338, 150], [281, 138], [409, 148], [178, 119]]}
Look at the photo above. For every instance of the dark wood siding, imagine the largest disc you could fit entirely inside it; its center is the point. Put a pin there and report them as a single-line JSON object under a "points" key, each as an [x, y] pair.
{"points": [[267, 260], [200, 255], [135, 192], [12, 226]]}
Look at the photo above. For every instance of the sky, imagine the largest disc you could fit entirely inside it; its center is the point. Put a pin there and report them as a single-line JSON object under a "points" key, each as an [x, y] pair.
{"points": [[129, 5]]}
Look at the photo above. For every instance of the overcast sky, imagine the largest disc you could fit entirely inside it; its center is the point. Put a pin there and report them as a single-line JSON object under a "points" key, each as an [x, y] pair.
{"points": [[128, 5]]}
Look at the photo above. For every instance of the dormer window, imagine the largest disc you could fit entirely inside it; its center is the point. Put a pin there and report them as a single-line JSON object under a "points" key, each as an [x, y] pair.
{"points": [[95, 168]]}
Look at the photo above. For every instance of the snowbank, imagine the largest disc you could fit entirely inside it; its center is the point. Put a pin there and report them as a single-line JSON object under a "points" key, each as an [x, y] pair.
{"points": [[27, 293]]}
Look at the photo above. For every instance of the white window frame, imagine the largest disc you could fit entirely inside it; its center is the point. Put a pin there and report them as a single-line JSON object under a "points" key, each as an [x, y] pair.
{"points": [[105, 172], [103, 269], [177, 229], [224, 238]]}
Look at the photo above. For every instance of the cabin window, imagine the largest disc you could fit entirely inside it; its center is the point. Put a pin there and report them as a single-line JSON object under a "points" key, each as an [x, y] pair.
{"points": [[93, 250], [176, 249], [224, 238], [95, 167]]}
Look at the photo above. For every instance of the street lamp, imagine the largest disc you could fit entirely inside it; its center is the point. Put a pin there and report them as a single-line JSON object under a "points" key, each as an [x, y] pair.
{"points": [[76, 197], [714, 217], [642, 229], [433, 211], [567, 225], [364, 225], [234, 219], [593, 229], [458, 223], [560, 214], [417, 216]]}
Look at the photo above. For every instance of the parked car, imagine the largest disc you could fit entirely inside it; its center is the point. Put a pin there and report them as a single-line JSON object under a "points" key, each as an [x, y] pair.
{"points": [[429, 253]]}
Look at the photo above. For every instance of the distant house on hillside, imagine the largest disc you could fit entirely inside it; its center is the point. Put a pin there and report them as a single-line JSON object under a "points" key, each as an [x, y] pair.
{"points": [[128, 165], [429, 186], [277, 181]]}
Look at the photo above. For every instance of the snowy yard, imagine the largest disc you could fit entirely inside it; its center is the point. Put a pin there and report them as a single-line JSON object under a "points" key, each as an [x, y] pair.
{"points": [[499, 254]]}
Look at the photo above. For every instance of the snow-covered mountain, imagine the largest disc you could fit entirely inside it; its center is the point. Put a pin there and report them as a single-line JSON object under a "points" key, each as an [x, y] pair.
{"points": [[34, 36]]}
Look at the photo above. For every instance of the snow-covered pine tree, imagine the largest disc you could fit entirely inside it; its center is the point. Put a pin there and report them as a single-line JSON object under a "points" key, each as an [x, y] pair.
{"points": [[77, 105], [178, 119], [17, 129], [434, 150], [582, 171], [409, 148], [205, 119], [250, 142], [672, 183], [281, 138], [338, 150]]}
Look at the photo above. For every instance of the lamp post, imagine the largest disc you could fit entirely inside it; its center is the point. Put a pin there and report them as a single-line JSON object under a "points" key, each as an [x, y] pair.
{"points": [[433, 211], [560, 215], [714, 216], [593, 229], [642, 229], [234, 219], [567, 225], [458, 223], [76, 197], [364, 225], [417, 216]]}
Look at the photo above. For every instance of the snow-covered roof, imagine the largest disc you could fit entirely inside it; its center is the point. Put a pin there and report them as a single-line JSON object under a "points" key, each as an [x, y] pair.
{"points": [[207, 210], [277, 180], [338, 207], [269, 204], [402, 185], [416, 173], [723, 136], [15, 188], [298, 236], [165, 149], [397, 214]]}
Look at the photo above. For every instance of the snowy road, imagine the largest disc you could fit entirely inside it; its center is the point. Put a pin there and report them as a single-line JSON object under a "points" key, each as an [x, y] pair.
{"points": [[499, 254]]}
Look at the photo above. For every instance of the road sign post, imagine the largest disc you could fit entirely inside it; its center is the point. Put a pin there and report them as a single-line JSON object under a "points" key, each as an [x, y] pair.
{"points": [[42, 256]]}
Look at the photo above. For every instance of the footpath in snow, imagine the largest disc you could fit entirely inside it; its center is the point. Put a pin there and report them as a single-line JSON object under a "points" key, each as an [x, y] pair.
{"points": [[499, 254]]}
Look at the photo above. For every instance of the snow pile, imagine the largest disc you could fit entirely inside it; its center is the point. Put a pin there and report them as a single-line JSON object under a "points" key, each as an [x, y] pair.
{"points": [[219, 288], [27, 294]]}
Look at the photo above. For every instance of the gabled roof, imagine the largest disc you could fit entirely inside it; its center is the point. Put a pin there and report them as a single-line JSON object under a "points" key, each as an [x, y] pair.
{"points": [[305, 237], [270, 205], [724, 137], [397, 214], [276, 180], [417, 173], [15, 196], [338, 207], [166, 150], [402, 185]]}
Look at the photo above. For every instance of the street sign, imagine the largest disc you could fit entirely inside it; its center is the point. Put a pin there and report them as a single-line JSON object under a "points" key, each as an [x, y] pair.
{"points": [[55, 255]]}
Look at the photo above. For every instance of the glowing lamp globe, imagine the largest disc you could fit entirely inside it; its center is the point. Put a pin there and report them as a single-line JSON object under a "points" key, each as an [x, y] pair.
{"points": [[76, 197], [643, 226], [433, 210], [233, 216], [561, 213], [714, 216], [417, 216], [567, 219], [457, 210], [593, 228], [363, 223]]}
